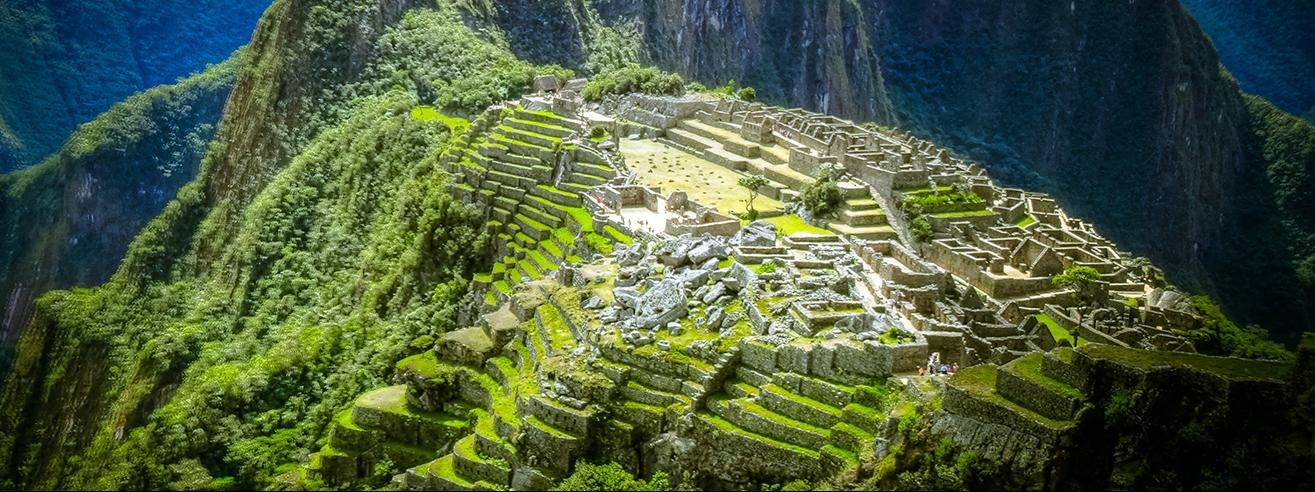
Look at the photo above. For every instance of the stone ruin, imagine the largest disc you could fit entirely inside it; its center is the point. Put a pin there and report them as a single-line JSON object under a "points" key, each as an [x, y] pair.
{"points": [[684, 341]]}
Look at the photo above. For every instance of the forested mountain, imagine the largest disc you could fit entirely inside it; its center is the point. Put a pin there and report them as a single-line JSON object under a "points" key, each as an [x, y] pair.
{"points": [[64, 62], [1268, 45], [67, 221]]}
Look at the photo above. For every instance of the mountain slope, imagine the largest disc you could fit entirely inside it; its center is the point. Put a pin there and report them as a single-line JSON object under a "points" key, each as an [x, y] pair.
{"points": [[67, 221], [65, 62], [317, 242], [1267, 44], [1121, 112]]}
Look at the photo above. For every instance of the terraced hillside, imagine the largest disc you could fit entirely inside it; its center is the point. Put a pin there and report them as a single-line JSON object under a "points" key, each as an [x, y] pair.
{"points": [[513, 402], [530, 168]]}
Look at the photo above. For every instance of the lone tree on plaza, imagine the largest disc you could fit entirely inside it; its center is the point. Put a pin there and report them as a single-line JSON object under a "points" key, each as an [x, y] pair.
{"points": [[1083, 281], [753, 183]]}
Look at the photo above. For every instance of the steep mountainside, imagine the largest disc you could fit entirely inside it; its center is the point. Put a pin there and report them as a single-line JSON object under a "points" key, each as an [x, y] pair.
{"points": [[1268, 45], [64, 62], [67, 221], [317, 241], [1133, 127]]}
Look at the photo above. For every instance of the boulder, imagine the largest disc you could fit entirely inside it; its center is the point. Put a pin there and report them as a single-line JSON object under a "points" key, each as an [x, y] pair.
{"points": [[715, 292], [758, 233], [663, 303], [709, 249]]}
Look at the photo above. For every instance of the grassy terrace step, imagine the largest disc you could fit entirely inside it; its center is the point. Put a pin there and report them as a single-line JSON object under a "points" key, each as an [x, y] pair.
{"points": [[755, 417], [530, 137], [552, 321], [860, 204], [547, 117], [533, 210], [488, 441], [387, 410], [971, 393], [511, 180], [555, 195], [527, 149], [875, 233], [645, 417], [541, 261], [468, 463], [528, 171], [754, 437], [537, 230], [528, 270], [596, 170], [864, 217], [781, 400], [850, 437], [1022, 382], [548, 129], [741, 389], [636, 391], [440, 474]]}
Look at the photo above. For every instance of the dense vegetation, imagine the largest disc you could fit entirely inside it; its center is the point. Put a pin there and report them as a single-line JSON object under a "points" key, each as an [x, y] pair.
{"points": [[221, 365], [68, 221], [64, 62], [633, 78]]}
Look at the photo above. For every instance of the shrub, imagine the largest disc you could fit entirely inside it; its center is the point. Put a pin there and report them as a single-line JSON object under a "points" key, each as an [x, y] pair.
{"points": [[612, 476], [633, 78], [920, 228], [747, 94], [822, 197]]}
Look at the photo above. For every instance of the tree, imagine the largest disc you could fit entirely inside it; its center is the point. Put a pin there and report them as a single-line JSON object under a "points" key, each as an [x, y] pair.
{"points": [[1082, 280], [822, 196], [753, 183]]}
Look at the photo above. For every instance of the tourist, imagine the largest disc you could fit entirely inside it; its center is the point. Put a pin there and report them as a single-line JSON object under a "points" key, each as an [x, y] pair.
{"points": [[922, 371]]}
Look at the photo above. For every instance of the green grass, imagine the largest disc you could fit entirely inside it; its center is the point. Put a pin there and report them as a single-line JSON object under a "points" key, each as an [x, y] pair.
{"points": [[1224, 366], [1027, 220], [1058, 332], [428, 113], [791, 224], [618, 236]]}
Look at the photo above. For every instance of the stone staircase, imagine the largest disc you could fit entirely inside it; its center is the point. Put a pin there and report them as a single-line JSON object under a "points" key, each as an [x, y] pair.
{"points": [[861, 217]]}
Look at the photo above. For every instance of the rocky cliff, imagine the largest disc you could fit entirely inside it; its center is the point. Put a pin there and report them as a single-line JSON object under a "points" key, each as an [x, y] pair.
{"points": [[68, 221], [65, 62]]}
